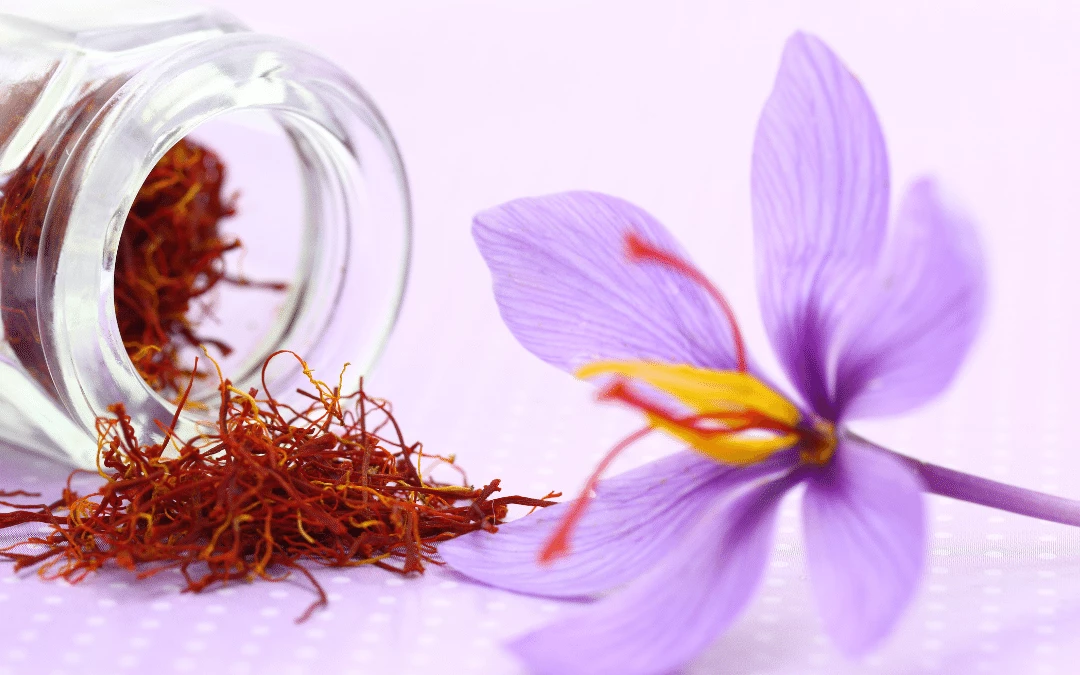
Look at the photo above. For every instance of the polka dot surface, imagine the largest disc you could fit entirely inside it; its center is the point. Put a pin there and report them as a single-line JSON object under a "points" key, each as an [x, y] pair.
{"points": [[1001, 593]]}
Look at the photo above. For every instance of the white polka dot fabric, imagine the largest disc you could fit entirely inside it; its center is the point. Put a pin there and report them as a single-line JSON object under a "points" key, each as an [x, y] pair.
{"points": [[1002, 594]]}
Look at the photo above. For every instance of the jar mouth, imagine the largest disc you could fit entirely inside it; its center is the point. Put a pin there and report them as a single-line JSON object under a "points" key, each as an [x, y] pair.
{"points": [[356, 232]]}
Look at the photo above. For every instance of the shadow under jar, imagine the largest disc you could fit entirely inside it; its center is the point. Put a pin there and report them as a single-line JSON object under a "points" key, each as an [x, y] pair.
{"points": [[90, 100]]}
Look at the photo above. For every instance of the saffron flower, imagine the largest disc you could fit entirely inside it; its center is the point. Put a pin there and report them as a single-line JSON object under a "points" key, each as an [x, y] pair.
{"points": [[867, 319]]}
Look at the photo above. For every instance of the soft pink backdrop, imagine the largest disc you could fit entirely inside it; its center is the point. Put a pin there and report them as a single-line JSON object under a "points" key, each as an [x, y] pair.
{"points": [[657, 102]]}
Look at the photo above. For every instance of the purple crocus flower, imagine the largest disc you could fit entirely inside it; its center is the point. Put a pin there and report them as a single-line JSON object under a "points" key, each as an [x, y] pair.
{"points": [[867, 319]]}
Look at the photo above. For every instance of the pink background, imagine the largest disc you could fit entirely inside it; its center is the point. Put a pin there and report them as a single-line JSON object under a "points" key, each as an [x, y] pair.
{"points": [[657, 102]]}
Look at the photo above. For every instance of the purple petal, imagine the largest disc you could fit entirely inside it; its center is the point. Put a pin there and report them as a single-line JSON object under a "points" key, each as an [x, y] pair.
{"points": [[568, 293], [634, 520], [820, 197], [865, 542], [665, 618], [917, 315]]}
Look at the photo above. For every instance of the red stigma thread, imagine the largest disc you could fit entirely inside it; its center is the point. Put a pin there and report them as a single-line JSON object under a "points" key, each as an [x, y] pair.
{"points": [[558, 545], [638, 250]]}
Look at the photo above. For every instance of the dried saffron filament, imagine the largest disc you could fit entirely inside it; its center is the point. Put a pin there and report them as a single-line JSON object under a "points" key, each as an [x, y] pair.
{"points": [[171, 255], [269, 488]]}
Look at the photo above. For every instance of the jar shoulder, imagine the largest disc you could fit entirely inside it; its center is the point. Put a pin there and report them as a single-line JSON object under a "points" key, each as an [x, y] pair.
{"points": [[107, 25], [55, 55]]}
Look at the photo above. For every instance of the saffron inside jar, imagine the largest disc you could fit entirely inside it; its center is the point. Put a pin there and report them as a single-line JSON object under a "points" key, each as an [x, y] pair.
{"points": [[170, 261]]}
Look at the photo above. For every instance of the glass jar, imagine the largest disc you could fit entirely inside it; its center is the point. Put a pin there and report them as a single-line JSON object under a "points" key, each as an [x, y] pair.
{"points": [[92, 95]]}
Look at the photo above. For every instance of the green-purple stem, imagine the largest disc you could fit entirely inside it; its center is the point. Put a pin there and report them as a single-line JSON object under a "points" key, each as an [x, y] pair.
{"points": [[968, 488]]}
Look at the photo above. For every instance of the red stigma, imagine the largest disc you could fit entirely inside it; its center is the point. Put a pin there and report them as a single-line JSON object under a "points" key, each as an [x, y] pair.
{"points": [[558, 545], [638, 250]]}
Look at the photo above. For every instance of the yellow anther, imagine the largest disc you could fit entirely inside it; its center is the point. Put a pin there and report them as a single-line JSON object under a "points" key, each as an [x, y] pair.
{"points": [[738, 419]]}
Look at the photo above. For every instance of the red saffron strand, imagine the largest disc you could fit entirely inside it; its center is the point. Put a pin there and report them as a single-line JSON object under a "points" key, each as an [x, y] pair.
{"points": [[558, 545], [638, 250]]}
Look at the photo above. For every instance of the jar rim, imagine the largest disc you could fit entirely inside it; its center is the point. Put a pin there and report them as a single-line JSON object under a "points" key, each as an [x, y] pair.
{"points": [[364, 195]]}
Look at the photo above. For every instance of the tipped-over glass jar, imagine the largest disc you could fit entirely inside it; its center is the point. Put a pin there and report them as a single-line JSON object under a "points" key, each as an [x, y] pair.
{"points": [[92, 95]]}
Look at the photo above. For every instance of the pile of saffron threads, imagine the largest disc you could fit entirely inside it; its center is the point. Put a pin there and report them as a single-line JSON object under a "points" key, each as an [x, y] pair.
{"points": [[171, 255], [267, 488]]}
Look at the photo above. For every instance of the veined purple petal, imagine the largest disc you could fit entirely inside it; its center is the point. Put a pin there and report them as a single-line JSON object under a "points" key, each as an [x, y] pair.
{"points": [[666, 617], [918, 313], [820, 198], [568, 293], [635, 519], [865, 542]]}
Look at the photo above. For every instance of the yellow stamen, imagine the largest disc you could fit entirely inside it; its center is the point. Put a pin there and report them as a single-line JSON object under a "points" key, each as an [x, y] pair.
{"points": [[734, 417]]}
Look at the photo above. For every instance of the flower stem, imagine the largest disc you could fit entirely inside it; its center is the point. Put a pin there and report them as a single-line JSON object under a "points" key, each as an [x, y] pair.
{"points": [[968, 488]]}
